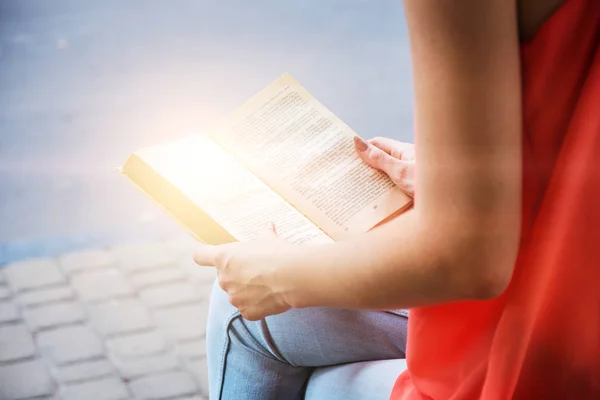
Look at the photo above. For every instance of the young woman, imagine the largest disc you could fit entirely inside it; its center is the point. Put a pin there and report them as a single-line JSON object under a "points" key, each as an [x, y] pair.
{"points": [[499, 261]]}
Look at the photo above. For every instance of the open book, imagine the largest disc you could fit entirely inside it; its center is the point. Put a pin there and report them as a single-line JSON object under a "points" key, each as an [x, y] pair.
{"points": [[281, 157]]}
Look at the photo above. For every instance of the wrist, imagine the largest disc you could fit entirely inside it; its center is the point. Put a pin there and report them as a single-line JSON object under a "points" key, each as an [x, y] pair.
{"points": [[292, 275]]}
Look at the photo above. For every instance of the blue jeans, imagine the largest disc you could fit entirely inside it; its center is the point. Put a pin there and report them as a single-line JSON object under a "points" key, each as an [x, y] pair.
{"points": [[312, 354]]}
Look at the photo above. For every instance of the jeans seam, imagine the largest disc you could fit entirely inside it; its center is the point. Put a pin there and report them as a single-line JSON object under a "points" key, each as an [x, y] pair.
{"points": [[224, 354], [400, 313]]}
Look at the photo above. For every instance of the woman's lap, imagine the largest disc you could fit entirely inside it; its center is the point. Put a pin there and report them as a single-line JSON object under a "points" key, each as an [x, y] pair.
{"points": [[276, 357]]}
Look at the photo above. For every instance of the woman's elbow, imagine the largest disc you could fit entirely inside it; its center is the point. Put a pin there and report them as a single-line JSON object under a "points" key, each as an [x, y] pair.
{"points": [[492, 283], [484, 269]]}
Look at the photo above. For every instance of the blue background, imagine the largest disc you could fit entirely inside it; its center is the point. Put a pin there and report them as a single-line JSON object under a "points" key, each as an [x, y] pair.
{"points": [[85, 83]]}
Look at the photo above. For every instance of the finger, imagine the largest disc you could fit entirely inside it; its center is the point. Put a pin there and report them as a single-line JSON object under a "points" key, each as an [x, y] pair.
{"points": [[377, 158], [260, 312], [207, 255], [269, 232], [405, 177], [251, 315], [393, 147]]}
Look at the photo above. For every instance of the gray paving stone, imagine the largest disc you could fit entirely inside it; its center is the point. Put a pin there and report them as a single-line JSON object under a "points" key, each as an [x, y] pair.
{"points": [[25, 380], [69, 344], [142, 256], [103, 389], [158, 277], [131, 368], [45, 296], [203, 276], [16, 343], [184, 322], [192, 350], [9, 312], [171, 295], [199, 371], [33, 274], [5, 293], [120, 317], [84, 371], [82, 261], [101, 285], [54, 315], [141, 344], [163, 386]]}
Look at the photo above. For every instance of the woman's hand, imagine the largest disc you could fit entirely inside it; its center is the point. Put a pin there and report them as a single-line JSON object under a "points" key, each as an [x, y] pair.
{"points": [[396, 159], [246, 271]]}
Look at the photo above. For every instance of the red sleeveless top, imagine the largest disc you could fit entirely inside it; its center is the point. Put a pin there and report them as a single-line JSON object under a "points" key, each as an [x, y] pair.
{"points": [[541, 338]]}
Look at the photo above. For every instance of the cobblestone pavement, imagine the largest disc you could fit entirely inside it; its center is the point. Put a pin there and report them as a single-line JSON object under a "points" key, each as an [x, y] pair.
{"points": [[121, 323]]}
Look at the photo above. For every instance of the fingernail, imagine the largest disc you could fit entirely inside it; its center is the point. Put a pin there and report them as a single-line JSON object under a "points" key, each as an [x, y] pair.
{"points": [[360, 144]]}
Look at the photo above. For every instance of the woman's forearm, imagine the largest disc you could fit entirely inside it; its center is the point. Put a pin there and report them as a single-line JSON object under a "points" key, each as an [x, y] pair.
{"points": [[461, 240], [401, 264]]}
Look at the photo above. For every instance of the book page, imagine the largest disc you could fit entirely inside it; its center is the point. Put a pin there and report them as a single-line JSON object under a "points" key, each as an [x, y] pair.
{"points": [[299, 148], [228, 192]]}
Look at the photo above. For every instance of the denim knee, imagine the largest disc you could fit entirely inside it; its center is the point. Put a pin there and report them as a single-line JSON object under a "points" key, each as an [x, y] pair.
{"points": [[220, 316], [220, 313], [225, 320]]}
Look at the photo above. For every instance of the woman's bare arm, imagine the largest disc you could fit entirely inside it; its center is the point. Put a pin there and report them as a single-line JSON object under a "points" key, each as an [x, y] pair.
{"points": [[461, 240]]}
